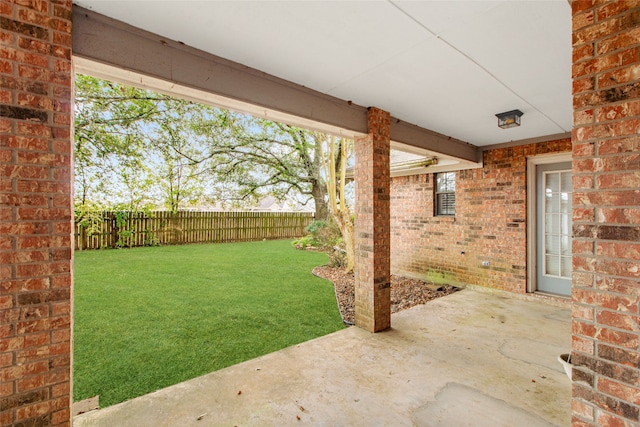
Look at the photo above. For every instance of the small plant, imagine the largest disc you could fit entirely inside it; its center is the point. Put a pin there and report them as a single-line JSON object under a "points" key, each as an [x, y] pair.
{"points": [[89, 217], [126, 229], [121, 217], [92, 216], [324, 236], [124, 237], [305, 242], [337, 257], [316, 226], [150, 238], [313, 240]]}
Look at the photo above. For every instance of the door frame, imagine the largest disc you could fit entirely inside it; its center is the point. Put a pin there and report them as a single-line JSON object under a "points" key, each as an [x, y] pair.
{"points": [[532, 243]]}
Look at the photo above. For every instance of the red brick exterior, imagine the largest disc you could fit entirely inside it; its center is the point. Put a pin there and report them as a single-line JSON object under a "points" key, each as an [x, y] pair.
{"points": [[35, 215], [35, 212], [489, 224], [371, 234], [606, 167]]}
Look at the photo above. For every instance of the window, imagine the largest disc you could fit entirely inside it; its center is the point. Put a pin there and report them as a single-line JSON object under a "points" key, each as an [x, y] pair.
{"points": [[557, 229], [445, 201]]}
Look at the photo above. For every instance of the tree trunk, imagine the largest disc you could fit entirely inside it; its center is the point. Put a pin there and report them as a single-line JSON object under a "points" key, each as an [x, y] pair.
{"points": [[343, 220], [335, 189], [319, 197]]}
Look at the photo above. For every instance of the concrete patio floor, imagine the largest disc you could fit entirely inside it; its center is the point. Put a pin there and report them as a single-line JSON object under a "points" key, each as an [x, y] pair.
{"points": [[474, 358]]}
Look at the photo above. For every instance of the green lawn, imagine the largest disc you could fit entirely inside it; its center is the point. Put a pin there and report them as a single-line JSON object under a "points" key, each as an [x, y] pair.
{"points": [[147, 318]]}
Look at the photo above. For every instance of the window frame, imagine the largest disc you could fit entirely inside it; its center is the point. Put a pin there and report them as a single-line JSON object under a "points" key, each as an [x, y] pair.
{"points": [[439, 194]]}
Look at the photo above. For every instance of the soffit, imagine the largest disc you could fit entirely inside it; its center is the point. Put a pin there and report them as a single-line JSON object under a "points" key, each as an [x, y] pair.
{"points": [[448, 66]]}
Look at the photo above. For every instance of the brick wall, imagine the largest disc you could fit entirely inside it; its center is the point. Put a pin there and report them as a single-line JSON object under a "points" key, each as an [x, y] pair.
{"points": [[606, 167], [371, 234], [35, 212], [489, 225]]}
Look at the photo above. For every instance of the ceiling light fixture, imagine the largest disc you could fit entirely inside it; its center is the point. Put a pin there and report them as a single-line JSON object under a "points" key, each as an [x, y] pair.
{"points": [[509, 119]]}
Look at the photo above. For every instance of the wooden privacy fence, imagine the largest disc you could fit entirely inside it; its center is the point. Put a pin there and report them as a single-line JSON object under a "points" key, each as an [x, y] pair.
{"points": [[129, 229]]}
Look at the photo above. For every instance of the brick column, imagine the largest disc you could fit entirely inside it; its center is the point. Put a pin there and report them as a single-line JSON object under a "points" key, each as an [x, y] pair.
{"points": [[372, 226], [35, 212], [606, 214]]}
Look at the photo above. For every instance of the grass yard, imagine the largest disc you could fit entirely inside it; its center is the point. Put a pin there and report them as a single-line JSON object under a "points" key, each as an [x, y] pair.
{"points": [[147, 318]]}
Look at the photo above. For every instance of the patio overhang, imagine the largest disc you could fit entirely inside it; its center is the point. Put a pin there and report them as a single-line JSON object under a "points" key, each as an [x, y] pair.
{"points": [[111, 49]]}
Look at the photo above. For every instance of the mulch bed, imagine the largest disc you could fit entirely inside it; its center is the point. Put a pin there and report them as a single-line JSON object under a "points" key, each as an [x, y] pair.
{"points": [[405, 292]]}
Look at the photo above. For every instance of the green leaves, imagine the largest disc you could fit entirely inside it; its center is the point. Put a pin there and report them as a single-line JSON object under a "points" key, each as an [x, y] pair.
{"points": [[139, 148]]}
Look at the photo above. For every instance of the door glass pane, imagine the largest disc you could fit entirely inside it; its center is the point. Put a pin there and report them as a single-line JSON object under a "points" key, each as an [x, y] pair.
{"points": [[552, 204], [552, 225], [565, 203], [565, 223], [552, 244], [566, 266], [552, 184], [552, 265], [565, 179], [566, 245]]}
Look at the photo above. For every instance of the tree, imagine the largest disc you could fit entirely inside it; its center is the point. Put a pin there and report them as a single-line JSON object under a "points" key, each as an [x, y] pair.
{"points": [[138, 147], [181, 180], [339, 151], [108, 136], [128, 145], [265, 157]]}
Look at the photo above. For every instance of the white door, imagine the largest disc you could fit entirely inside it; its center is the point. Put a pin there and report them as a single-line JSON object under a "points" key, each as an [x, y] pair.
{"points": [[554, 228]]}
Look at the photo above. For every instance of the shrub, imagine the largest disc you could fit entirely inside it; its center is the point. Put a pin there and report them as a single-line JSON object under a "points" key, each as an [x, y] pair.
{"points": [[324, 236]]}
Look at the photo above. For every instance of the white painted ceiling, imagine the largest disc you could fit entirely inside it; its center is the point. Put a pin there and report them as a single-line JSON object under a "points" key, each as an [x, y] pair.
{"points": [[448, 66]]}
